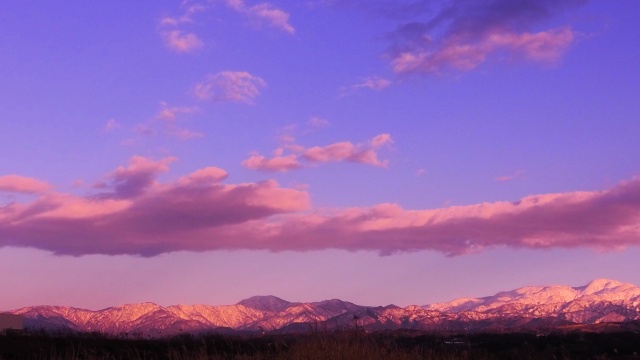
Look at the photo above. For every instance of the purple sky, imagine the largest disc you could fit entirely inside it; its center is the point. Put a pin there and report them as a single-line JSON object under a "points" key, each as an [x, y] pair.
{"points": [[403, 152]]}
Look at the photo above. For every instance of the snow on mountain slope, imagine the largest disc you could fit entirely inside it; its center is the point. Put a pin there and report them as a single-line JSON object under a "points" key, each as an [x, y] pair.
{"points": [[597, 290], [599, 301], [610, 290], [530, 295], [233, 316], [70, 315], [305, 313]]}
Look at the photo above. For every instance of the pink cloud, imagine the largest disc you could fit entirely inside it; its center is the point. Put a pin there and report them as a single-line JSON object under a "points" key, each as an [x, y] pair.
{"points": [[276, 163], [546, 46], [601, 220], [465, 54], [266, 13], [196, 212], [364, 153], [375, 83], [183, 134], [134, 179], [185, 17], [111, 125], [463, 35], [237, 5], [171, 113], [21, 184], [180, 41], [316, 122], [204, 177], [263, 13], [516, 175], [199, 213], [233, 86], [167, 122], [143, 129], [380, 140], [173, 33], [346, 151], [169, 117]]}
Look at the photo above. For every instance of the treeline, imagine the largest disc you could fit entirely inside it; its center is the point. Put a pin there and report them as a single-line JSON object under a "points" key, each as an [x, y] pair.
{"points": [[404, 345]]}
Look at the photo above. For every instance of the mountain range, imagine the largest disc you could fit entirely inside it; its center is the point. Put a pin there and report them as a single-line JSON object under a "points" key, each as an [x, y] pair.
{"points": [[532, 307]]}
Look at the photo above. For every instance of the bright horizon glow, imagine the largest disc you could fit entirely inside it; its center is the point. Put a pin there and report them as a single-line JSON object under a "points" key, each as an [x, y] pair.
{"points": [[206, 151]]}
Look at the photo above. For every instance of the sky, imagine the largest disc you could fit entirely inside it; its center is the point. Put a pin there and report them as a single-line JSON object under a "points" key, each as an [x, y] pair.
{"points": [[390, 152]]}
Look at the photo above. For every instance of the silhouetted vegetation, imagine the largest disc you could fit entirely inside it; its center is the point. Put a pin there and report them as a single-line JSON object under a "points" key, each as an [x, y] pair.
{"points": [[404, 345]]}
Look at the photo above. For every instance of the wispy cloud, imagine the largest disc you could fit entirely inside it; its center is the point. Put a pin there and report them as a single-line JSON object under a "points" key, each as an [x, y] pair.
{"points": [[461, 35], [516, 175], [169, 118], [180, 41], [318, 122], [263, 14], [229, 86], [365, 153], [111, 125], [300, 156], [275, 163], [183, 134], [21, 184], [168, 122], [141, 215], [172, 113], [189, 10], [375, 83], [266, 13], [175, 36]]}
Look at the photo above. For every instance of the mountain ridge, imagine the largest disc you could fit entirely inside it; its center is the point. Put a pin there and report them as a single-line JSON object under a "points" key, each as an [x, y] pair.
{"points": [[602, 300]]}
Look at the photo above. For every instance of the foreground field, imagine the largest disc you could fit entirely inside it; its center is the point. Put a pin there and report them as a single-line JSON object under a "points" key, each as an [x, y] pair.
{"points": [[401, 346]]}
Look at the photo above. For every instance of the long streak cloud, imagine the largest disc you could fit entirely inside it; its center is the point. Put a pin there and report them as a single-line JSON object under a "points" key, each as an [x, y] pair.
{"points": [[133, 213]]}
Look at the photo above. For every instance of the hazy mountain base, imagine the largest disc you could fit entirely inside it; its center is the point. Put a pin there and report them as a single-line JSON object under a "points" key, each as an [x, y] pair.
{"points": [[350, 345]]}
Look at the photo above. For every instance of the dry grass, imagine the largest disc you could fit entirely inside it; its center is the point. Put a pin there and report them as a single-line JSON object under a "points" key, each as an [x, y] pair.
{"points": [[335, 346]]}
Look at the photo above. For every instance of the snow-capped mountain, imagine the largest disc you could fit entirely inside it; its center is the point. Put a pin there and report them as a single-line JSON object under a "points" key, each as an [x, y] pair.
{"points": [[527, 307], [600, 301]]}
